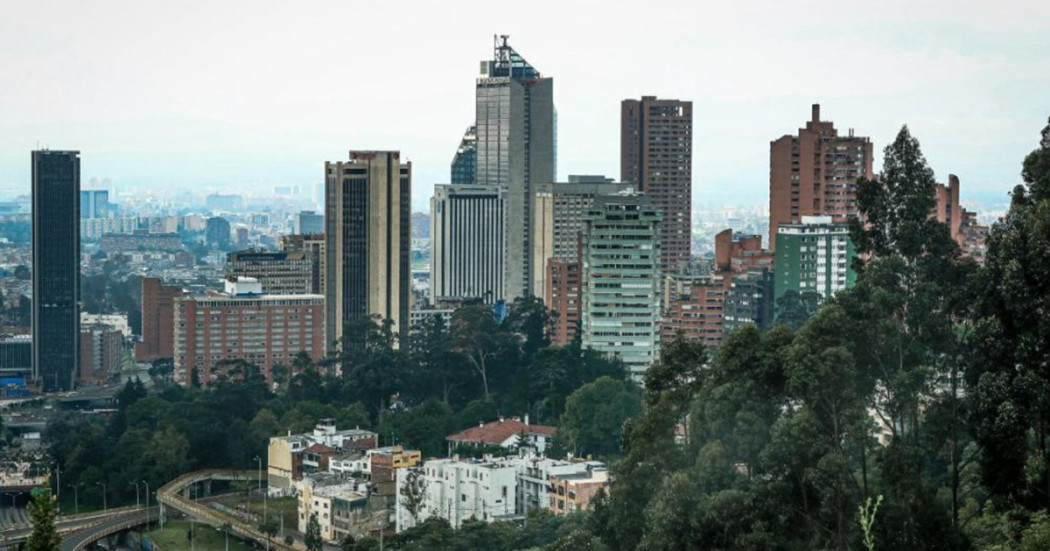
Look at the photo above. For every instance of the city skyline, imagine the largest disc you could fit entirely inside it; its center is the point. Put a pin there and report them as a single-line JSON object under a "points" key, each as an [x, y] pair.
{"points": [[247, 113]]}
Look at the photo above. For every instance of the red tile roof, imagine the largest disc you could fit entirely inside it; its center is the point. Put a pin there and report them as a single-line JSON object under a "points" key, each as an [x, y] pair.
{"points": [[320, 449], [497, 432]]}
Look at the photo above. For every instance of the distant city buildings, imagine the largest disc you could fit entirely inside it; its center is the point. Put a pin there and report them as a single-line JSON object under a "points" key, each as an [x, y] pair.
{"points": [[308, 222], [467, 250], [515, 152], [94, 203], [815, 172], [621, 280], [280, 273], [656, 155], [245, 324], [140, 240], [367, 218], [101, 350], [217, 232], [56, 268]]}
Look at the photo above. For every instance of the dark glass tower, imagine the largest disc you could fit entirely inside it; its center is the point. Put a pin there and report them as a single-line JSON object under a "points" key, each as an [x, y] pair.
{"points": [[56, 268], [464, 164]]}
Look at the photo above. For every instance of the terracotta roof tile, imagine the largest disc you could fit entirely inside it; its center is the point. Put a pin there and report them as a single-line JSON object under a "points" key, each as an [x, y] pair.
{"points": [[497, 432]]}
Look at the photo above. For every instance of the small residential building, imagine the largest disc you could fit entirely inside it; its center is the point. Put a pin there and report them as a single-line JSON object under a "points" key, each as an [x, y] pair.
{"points": [[341, 505], [505, 433], [572, 492], [287, 455], [384, 463], [461, 489]]}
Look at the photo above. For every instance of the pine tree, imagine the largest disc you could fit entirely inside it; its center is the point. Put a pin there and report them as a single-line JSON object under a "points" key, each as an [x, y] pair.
{"points": [[44, 537], [312, 538]]}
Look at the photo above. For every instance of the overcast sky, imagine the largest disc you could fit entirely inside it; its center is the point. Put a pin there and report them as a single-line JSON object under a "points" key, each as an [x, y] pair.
{"points": [[227, 95]]}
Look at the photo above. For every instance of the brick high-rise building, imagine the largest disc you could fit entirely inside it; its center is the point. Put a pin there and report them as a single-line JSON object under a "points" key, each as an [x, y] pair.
{"points": [[158, 315], [656, 155], [815, 173], [368, 208], [56, 268], [243, 324], [563, 298], [100, 353]]}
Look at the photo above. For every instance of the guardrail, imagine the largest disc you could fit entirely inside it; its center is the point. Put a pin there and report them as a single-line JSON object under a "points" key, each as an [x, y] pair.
{"points": [[170, 495]]}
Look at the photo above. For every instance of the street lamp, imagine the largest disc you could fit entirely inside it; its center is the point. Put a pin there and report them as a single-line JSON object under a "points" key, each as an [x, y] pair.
{"points": [[138, 505], [147, 504], [105, 507], [76, 498]]}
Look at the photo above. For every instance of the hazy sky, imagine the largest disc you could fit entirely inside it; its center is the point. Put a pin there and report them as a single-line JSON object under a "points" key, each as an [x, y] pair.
{"points": [[226, 95]]}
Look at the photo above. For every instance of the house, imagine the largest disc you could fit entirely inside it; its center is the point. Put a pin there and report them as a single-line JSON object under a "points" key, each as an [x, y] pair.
{"points": [[571, 492], [290, 457], [505, 433]]}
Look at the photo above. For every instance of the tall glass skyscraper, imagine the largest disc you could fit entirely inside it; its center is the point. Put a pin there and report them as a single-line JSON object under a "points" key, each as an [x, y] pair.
{"points": [[515, 150], [56, 268], [465, 163]]}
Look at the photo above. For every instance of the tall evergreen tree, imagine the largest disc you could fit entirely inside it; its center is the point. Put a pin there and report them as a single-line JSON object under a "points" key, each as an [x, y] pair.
{"points": [[42, 513]]}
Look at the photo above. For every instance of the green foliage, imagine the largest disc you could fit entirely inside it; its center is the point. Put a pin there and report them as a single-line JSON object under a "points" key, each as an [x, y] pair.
{"points": [[595, 414], [42, 513], [312, 537], [794, 308]]}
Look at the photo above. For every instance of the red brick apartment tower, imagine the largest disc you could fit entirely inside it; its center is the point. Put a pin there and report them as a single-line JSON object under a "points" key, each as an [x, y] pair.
{"points": [[815, 174], [158, 315], [656, 155]]}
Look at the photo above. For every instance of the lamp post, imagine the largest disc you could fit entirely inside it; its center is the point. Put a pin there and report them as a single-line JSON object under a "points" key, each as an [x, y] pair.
{"points": [[76, 497], [105, 507], [192, 543], [147, 504], [138, 504]]}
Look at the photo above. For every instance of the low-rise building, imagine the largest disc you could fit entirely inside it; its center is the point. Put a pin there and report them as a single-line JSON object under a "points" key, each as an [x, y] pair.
{"points": [[341, 505], [572, 492], [505, 433], [287, 455]]}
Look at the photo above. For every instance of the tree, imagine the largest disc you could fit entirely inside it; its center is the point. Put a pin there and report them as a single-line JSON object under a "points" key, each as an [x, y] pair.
{"points": [[1008, 358], [478, 336], [414, 493], [312, 537], [595, 414], [794, 308], [577, 540], [42, 512]]}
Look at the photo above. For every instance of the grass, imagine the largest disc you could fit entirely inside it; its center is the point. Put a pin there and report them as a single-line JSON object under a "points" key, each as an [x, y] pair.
{"points": [[287, 507], [205, 538]]}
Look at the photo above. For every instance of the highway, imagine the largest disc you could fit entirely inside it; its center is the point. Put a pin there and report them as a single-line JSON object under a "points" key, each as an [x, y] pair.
{"points": [[74, 524]]}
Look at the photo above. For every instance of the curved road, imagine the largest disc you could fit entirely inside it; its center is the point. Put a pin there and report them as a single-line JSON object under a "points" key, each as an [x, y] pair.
{"points": [[80, 539]]}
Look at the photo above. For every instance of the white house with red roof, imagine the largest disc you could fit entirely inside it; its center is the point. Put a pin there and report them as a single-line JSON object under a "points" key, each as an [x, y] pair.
{"points": [[505, 433]]}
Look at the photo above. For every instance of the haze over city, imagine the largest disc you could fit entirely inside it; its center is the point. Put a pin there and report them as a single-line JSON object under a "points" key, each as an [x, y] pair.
{"points": [[242, 96]]}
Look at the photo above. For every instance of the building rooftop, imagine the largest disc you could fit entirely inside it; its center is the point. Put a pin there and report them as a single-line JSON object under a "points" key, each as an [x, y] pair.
{"points": [[497, 432]]}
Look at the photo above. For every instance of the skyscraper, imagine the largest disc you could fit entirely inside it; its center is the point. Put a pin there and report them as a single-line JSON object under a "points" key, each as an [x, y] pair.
{"points": [[368, 203], [815, 174], [466, 235], [56, 268], [656, 155], [621, 280], [465, 163], [515, 150]]}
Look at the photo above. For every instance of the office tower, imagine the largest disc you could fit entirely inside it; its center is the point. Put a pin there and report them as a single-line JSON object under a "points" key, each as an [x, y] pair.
{"points": [[100, 353], [815, 173], [158, 315], [244, 324], [217, 232], [314, 245], [368, 205], [559, 210], [562, 297], [56, 268], [621, 280], [308, 222], [465, 163], [466, 251], [656, 155], [94, 203], [813, 256], [280, 273], [515, 151], [750, 300]]}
